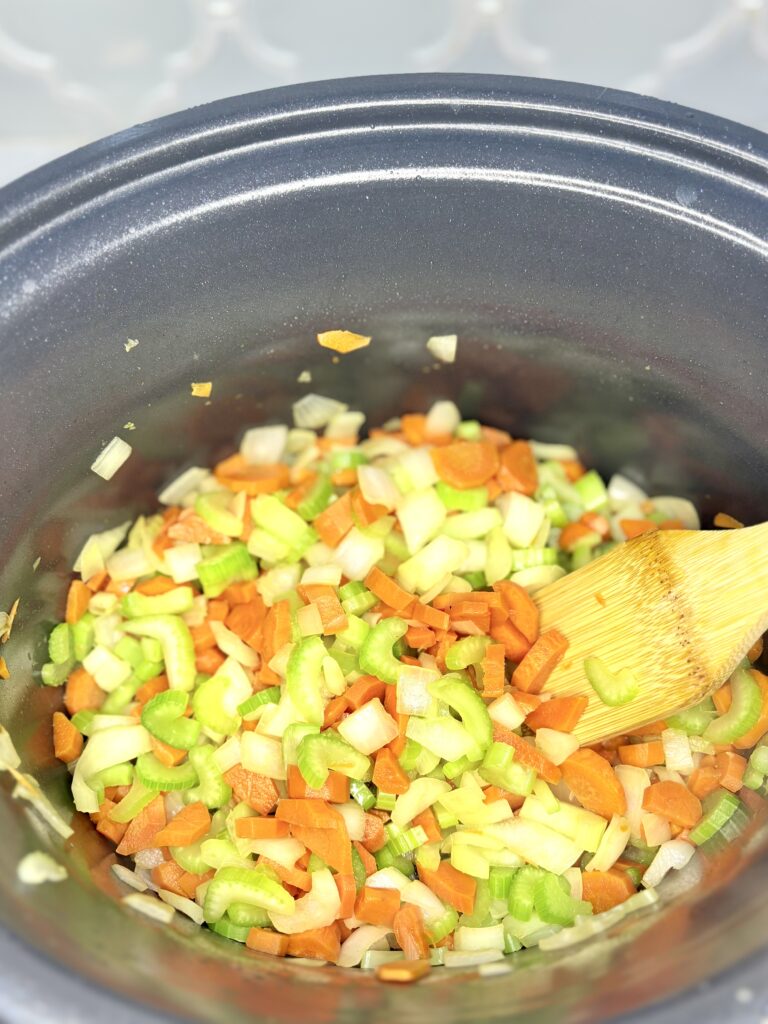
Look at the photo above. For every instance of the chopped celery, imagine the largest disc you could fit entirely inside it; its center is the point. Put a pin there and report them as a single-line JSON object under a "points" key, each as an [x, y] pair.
{"points": [[133, 803], [211, 789], [316, 500], [468, 703], [247, 915], [239, 885], [554, 903], [316, 755], [229, 930], [500, 882], [178, 649], [55, 675], [173, 602], [529, 558], [129, 649], [257, 700], [60, 647], [472, 525], [468, 651], [355, 634], [292, 737], [469, 500], [694, 721], [441, 557], [385, 801], [522, 892], [362, 794], [230, 563], [404, 840], [719, 808], [215, 702], [376, 656], [303, 679], [500, 769], [272, 515], [82, 637], [741, 716], [155, 775], [215, 508], [163, 716], [591, 490], [613, 688]]}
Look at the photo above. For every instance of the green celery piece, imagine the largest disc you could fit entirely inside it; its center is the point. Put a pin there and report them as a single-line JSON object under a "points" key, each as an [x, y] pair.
{"points": [[60, 647], [243, 885], [469, 500], [55, 675], [500, 769], [134, 801], [303, 679], [245, 914], [358, 869], [476, 580], [554, 903], [117, 775], [229, 930], [178, 648], [318, 754], [530, 558], [438, 928], [83, 721], [215, 701], [376, 655], [355, 634], [613, 688], [522, 892], [215, 508], [481, 911], [746, 704], [269, 696], [116, 702], [469, 430], [468, 651], [211, 790], [276, 518], [155, 775], [362, 794], [128, 648], [163, 717], [500, 882], [719, 807], [316, 501], [82, 637], [225, 564], [189, 857], [293, 736], [148, 670], [410, 755], [152, 649], [591, 490], [694, 721], [173, 602], [469, 705]]}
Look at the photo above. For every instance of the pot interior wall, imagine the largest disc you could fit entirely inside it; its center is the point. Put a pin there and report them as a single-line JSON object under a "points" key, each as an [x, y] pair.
{"points": [[637, 336]]}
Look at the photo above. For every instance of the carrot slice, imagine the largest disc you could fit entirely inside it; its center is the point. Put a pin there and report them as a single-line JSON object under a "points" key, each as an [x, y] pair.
{"points": [[335, 522], [397, 746], [334, 710], [246, 620], [78, 597], [262, 940], [331, 844], [369, 861], [158, 684], [450, 885], [258, 791], [606, 889], [731, 767], [527, 754], [593, 782], [387, 590], [363, 512], [316, 944], [414, 427], [673, 801], [67, 741], [276, 631], [347, 893], [237, 475], [517, 468], [493, 670], [516, 647], [538, 664], [82, 692], [310, 812], [261, 828], [203, 638], [377, 906], [464, 464], [388, 776], [704, 780], [291, 876], [190, 824], [637, 527], [335, 789], [435, 618], [142, 831], [408, 926], [561, 713], [642, 755], [572, 533], [374, 836], [364, 689], [428, 822], [167, 755], [522, 610]]}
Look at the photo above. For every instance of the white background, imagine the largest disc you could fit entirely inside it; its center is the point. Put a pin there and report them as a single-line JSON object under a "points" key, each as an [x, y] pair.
{"points": [[74, 70]]}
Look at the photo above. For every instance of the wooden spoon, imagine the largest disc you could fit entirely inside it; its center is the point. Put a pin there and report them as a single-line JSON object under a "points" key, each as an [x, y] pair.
{"points": [[678, 608]]}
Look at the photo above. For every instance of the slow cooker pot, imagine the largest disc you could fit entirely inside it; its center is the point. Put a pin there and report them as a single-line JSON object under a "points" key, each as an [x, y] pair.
{"points": [[604, 260]]}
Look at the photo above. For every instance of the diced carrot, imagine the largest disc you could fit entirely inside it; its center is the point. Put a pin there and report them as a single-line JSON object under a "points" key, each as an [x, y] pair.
{"points": [[276, 631], [316, 944], [538, 664], [561, 713], [528, 702], [334, 710], [82, 692], [428, 822], [408, 925], [704, 780], [419, 637], [470, 611], [596, 524], [594, 783], [112, 830], [652, 729], [388, 776], [364, 689], [168, 875], [487, 598], [295, 876], [332, 615], [158, 684], [119, 587], [444, 642], [516, 647], [241, 593], [369, 861], [466, 464], [97, 581], [673, 801], [344, 477], [308, 811], [517, 468], [295, 497], [258, 791], [331, 844], [218, 610], [397, 746], [522, 610], [730, 767], [450, 885], [363, 512], [246, 620], [262, 940], [492, 666], [414, 428], [167, 755], [189, 882], [387, 590], [571, 534], [335, 522], [335, 789], [374, 836], [377, 906], [209, 662], [606, 889], [435, 618], [142, 831], [671, 524], [261, 828], [756, 650], [156, 585], [190, 824], [574, 469], [237, 475], [492, 793], [78, 597], [637, 527], [203, 638], [67, 741], [347, 893], [527, 754], [642, 755]]}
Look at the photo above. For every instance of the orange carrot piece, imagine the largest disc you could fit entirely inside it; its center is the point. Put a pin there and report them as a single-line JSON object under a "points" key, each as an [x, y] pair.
{"points": [[465, 464], [388, 776], [295, 876], [642, 755], [258, 791], [527, 754], [97, 581], [538, 664], [335, 522], [316, 944], [246, 620], [218, 610], [169, 875], [731, 767], [522, 610], [606, 889], [78, 597], [158, 684], [237, 475], [652, 729], [594, 783], [142, 831], [364, 689], [571, 534], [440, 649], [347, 893], [276, 631], [397, 746], [241, 593], [528, 701], [428, 822], [67, 741], [596, 523], [261, 828], [433, 617], [369, 861], [374, 836], [311, 812], [673, 801], [203, 638], [419, 637], [561, 713], [190, 824], [704, 780], [331, 844], [363, 512], [209, 662], [344, 477], [672, 524], [517, 468], [493, 670], [637, 527], [574, 469], [515, 645], [82, 692], [450, 885], [156, 585], [408, 926], [478, 615], [377, 906], [387, 590], [189, 882], [414, 428], [167, 755], [112, 830], [335, 789], [334, 710], [262, 940], [332, 615]]}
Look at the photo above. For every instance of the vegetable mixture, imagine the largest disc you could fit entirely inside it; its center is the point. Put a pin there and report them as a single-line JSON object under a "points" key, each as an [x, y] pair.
{"points": [[307, 701]]}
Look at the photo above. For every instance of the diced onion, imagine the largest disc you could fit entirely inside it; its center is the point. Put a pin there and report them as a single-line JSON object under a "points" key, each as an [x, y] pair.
{"points": [[182, 561], [507, 712], [354, 818], [634, 782], [413, 697], [443, 347], [148, 859], [622, 490], [9, 757], [612, 844], [228, 754], [546, 452], [538, 576], [263, 754], [678, 508], [263, 446], [345, 424], [327, 574], [360, 941], [674, 854], [130, 878], [315, 411], [38, 867], [230, 643], [368, 728], [98, 548], [129, 564], [358, 553], [476, 939], [189, 482], [309, 620], [655, 829], [677, 751], [555, 745], [151, 906], [182, 904], [111, 458], [377, 486], [443, 418], [387, 878]]}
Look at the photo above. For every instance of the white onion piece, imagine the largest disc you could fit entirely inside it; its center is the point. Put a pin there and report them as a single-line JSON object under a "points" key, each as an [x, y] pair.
{"points": [[677, 751], [230, 643], [228, 754], [622, 490], [368, 728], [545, 452], [99, 547], [472, 940], [9, 757], [182, 561], [443, 347], [354, 818], [611, 846], [182, 904], [383, 447], [151, 906], [315, 411], [148, 859], [655, 829], [263, 446], [262, 754], [357, 554], [538, 576], [129, 564], [189, 482], [130, 878], [362, 939], [634, 782], [345, 424], [299, 439], [672, 855], [507, 712], [678, 508], [443, 418], [327, 574], [387, 878], [38, 867], [111, 458], [421, 896], [377, 486], [413, 697]]}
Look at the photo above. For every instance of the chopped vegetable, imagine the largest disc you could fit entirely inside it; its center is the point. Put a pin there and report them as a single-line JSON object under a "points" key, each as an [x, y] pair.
{"points": [[342, 341]]}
